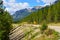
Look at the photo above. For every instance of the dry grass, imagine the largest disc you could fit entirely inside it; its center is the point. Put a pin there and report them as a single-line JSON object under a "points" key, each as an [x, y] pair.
{"points": [[54, 24], [40, 37]]}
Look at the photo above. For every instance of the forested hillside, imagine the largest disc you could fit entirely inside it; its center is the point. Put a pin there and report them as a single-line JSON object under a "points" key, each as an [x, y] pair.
{"points": [[49, 13]]}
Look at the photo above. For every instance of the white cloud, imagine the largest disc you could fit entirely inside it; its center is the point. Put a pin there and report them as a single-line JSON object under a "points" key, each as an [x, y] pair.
{"points": [[38, 1], [49, 1], [44, 5], [11, 1], [13, 6]]}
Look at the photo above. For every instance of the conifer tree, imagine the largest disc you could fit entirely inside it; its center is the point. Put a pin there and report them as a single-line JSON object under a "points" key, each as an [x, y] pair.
{"points": [[5, 24]]}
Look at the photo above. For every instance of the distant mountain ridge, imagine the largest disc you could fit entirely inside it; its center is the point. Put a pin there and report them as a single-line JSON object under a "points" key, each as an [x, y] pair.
{"points": [[20, 14]]}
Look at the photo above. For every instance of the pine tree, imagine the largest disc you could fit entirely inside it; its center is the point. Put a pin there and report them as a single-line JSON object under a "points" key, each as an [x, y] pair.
{"points": [[49, 15]]}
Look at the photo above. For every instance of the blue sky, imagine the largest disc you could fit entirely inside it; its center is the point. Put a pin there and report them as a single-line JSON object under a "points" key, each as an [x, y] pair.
{"points": [[32, 2], [14, 5]]}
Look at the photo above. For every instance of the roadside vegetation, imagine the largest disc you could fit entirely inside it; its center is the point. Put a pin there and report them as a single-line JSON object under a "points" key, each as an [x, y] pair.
{"points": [[5, 24], [42, 33]]}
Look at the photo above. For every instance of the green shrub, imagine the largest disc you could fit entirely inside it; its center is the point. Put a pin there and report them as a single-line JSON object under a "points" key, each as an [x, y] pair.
{"points": [[43, 27]]}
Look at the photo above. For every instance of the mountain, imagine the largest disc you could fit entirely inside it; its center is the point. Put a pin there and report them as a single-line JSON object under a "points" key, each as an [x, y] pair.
{"points": [[20, 14], [48, 13]]}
